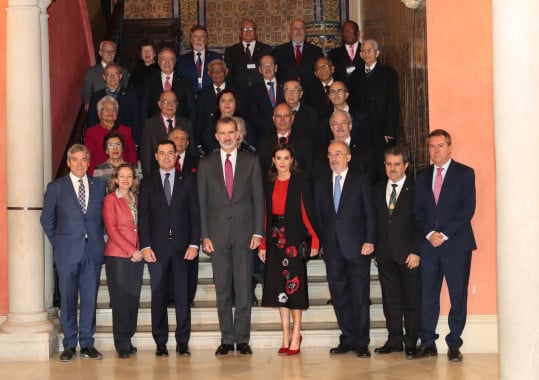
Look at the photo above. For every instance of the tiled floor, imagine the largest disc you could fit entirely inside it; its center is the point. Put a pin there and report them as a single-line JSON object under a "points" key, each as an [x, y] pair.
{"points": [[264, 364]]}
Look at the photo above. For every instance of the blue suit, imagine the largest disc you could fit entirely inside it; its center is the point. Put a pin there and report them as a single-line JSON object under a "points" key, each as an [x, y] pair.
{"points": [[451, 216], [342, 235], [77, 239], [186, 66]]}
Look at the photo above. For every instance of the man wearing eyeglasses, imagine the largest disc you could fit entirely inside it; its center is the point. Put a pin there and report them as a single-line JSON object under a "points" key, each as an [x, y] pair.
{"points": [[156, 129], [128, 105], [305, 117], [374, 90], [93, 79], [317, 95], [344, 201], [242, 58]]}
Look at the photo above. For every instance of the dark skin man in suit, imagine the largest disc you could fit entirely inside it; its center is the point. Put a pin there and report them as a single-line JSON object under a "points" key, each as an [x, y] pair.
{"points": [[444, 206]]}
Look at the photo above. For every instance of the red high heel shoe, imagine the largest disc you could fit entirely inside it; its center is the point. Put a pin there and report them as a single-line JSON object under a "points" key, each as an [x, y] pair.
{"points": [[282, 351], [295, 352]]}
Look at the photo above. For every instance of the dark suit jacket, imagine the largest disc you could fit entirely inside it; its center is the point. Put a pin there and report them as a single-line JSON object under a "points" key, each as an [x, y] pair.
{"points": [[285, 58], [190, 165], [453, 214], [93, 80], [181, 85], [306, 123], [128, 110], [153, 132], [66, 225], [236, 61], [341, 60], [261, 111], [186, 66], [157, 219], [221, 217], [377, 94], [397, 234], [355, 221], [315, 96]]}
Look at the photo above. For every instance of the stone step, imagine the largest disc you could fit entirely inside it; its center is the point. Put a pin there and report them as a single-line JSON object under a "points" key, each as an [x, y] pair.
{"points": [[207, 315], [263, 335]]}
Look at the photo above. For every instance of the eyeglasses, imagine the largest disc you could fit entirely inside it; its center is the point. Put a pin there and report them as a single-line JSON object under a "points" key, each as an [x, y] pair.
{"points": [[267, 65], [337, 154], [111, 74], [108, 51], [282, 116], [114, 145], [339, 91], [369, 50], [114, 110], [218, 71], [325, 66], [169, 102], [248, 29], [292, 90], [166, 60], [340, 123]]}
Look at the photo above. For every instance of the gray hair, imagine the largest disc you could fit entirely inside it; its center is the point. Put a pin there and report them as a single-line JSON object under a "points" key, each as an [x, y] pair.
{"points": [[75, 148], [340, 112], [106, 99], [373, 42]]}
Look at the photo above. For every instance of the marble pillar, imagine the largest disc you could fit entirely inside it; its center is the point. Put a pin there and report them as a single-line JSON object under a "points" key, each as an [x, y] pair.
{"points": [[27, 333], [516, 121]]}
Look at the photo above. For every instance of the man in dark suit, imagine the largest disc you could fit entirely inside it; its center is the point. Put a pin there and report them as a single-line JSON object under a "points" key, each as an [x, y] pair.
{"points": [[344, 201], [242, 58], [317, 95], [128, 108], [169, 234], [168, 80], [232, 220], [374, 90], [303, 146], [194, 64], [397, 254], [296, 58], [186, 164], [156, 128], [93, 78], [263, 97], [72, 220], [444, 206], [305, 117], [347, 58]]}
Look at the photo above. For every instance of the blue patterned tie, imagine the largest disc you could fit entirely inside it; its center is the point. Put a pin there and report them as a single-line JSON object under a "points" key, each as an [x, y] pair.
{"points": [[271, 93], [82, 196], [166, 185], [337, 192]]}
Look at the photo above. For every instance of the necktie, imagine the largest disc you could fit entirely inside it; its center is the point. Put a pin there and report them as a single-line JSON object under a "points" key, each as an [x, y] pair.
{"points": [[218, 90], [168, 86], [438, 180], [178, 164], [298, 56], [367, 70], [198, 64], [337, 192], [248, 53], [166, 186], [351, 53], [271, 93], [282, 140], [326, 88], [82, 196], [229, 176], [393, 198], [169, 125]]}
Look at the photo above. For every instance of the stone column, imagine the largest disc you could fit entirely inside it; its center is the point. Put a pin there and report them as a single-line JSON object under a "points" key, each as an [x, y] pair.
{"points": [[27, 333], [516, 121]]}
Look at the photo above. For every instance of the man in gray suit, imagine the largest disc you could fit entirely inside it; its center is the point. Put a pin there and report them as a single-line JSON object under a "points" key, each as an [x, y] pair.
{"points": [[232, 224]]}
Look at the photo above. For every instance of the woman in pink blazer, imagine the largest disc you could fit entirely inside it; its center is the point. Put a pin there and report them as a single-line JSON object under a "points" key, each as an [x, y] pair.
{"points": [[123, 259]]}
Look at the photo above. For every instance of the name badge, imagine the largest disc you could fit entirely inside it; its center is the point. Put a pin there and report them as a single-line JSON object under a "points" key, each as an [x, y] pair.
{"points": [[251, 66], [350, 69]]}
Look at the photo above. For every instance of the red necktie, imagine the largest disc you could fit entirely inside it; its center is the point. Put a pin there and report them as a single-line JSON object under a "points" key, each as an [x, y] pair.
{"points": [[178, 164], [351, 53], [168, 86], [298, 56], [438, 180], [229, 176]]}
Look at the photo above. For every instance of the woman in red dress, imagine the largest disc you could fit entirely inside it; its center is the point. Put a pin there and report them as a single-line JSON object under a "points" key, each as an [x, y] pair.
{"points": [[287, 226]]}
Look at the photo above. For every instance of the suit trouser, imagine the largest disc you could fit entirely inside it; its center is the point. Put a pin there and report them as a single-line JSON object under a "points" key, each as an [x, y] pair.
{"points": [[169, 267], [124, 279], [83, 278], [401, 297], [349, 286], [232, 271], [455, 266]]}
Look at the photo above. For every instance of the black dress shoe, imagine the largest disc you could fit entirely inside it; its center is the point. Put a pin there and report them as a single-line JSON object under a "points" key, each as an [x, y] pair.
{"points": [[123, 354], [340, 349], [424, 352], [244, 348], [132, 350], [224, 349], [90, 353], [363, 352], [67, 355], [410, 351], [454, 355], [387, 349], [161, 350], [183, 349]]}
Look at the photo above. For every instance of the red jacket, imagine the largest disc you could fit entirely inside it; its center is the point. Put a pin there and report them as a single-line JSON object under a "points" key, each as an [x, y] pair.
{"points": [[121, 228]]}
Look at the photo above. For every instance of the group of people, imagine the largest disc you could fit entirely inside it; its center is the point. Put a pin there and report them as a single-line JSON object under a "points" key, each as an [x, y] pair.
{"points": [[260, 176]]}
